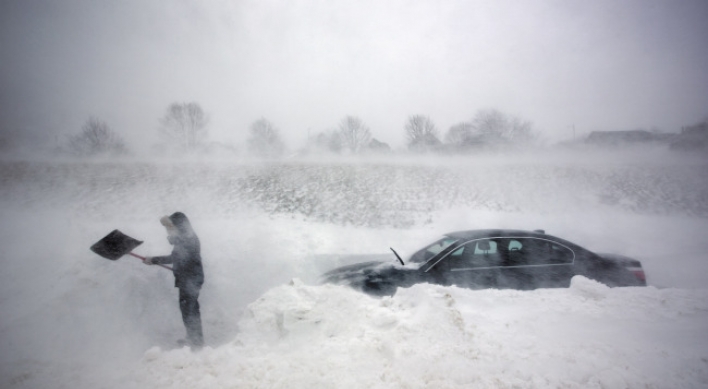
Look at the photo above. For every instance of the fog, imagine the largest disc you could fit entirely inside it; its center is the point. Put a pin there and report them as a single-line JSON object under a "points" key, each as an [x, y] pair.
{"points": [[270, 229], [568, 67]]}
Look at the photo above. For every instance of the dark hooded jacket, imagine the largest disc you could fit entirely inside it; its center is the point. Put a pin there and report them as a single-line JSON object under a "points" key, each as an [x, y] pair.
{"points": [[186, 256]]}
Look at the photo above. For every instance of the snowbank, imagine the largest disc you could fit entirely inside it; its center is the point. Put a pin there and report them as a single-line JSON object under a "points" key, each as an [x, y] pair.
{"points": [[428, 336]]}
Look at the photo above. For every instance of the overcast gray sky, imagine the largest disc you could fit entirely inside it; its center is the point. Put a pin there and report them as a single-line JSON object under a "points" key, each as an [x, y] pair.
{"points": [[305, 64]]}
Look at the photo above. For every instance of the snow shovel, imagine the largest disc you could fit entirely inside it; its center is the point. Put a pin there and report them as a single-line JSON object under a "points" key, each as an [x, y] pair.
{"points": [[117, 244]]}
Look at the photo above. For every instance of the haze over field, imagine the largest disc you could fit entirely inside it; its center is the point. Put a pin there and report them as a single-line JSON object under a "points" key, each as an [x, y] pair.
{"points": [[73, 319]]}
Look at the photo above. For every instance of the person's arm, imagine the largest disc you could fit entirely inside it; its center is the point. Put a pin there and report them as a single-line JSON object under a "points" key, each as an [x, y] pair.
{"points": [[164, 259], [161, 260]]}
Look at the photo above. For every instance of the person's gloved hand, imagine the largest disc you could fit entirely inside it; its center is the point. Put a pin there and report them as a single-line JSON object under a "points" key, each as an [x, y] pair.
{"points": [[148, 261]]}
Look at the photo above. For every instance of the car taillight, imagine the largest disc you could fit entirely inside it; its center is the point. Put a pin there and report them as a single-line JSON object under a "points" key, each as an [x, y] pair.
{"points": [[639, 273]]}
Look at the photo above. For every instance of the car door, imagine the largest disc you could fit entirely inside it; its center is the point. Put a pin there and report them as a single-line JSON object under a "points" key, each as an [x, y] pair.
{"points": [[535, 263], [474, 264]]}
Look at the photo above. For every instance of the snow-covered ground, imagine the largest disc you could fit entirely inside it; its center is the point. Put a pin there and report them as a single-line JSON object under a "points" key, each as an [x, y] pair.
{"points": [[69, 319]]}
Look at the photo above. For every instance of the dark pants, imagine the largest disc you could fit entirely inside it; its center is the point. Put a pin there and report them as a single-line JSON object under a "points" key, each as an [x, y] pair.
{"points": [[191, 317]]}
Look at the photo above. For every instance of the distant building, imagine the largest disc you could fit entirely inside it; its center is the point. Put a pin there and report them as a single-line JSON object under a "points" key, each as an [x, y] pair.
{"points": [[692, 138]]}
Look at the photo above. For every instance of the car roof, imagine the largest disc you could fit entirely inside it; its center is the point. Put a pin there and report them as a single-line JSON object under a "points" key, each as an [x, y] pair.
{"points": [[501, 233], [477, 234]]}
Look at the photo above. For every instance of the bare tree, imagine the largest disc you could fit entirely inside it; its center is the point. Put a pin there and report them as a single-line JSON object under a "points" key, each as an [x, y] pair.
{"points": [[489, 121], [265, 139], [184, 126], [327, 141], [96, 138], [492, 123], [521, 131], [459, 133], [355, 135], [421, 133]]}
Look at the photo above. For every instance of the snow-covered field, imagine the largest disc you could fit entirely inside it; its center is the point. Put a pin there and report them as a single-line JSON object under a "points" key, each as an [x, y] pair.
{"points": [[69, 319]]}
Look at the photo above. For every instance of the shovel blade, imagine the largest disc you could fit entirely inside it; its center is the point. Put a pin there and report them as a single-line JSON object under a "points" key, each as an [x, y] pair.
{"points": [[115, 245]]}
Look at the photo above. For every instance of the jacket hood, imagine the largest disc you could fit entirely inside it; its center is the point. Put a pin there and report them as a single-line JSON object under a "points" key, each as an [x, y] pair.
{"points": [[181, 223]]}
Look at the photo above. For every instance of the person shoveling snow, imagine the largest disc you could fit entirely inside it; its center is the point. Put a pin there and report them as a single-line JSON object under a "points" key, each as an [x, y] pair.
{"points": [[187, 267]]}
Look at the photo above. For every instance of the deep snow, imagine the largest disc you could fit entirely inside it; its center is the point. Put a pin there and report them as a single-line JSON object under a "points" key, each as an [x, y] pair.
{"points": [[73, 320]]}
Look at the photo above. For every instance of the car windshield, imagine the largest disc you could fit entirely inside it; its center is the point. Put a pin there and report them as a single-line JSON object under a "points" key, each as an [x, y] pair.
{"points": [[429, 251]]}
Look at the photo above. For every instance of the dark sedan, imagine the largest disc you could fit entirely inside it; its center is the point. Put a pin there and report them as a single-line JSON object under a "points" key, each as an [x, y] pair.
{"points": [[504, 259]]}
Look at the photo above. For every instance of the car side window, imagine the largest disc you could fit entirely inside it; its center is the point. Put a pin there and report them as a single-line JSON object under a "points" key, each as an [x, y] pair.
{"points": [[476, 254], [533, 251], [515, 245], [560, 254], [517, 253]]}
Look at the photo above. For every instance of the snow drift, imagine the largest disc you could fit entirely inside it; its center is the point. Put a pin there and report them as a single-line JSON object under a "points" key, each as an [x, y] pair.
{"points": [[73, 320], [427, 336]]}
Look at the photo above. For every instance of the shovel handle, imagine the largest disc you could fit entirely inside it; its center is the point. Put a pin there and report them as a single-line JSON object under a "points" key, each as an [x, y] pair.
{"points": [[143, 259]]}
